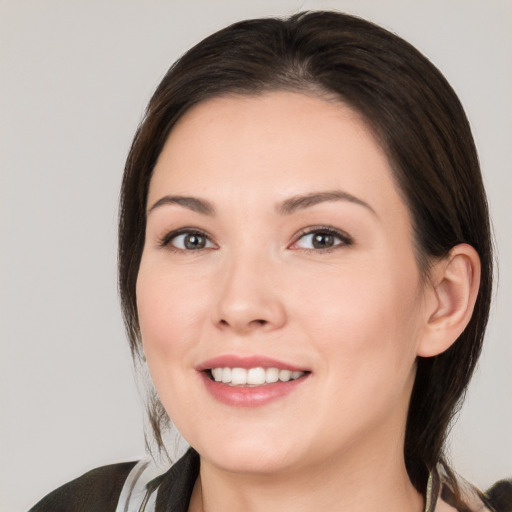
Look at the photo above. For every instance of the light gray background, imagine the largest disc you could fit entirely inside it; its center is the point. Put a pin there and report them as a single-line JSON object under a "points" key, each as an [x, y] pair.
{"points": [[75, 77]]}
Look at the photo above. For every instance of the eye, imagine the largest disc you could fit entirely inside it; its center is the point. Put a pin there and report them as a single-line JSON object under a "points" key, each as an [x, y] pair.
{"points": [[187, 241], [322, 239]]}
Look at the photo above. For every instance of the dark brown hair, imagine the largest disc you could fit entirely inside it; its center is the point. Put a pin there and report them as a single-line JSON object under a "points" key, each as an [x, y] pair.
{"points": [[416, 117]]}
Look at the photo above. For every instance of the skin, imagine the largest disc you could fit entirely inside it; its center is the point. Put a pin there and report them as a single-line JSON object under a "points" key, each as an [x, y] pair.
{"points": [[355, 316]]}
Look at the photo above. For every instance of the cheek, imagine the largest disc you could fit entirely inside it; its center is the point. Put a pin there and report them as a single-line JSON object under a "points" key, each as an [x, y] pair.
{"points": [[367, 319], [171, 313], [170, 309], [368, 339]]}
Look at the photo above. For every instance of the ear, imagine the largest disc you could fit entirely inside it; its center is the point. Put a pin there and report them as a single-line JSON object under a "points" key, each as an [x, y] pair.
{"points": [[455, 281]]}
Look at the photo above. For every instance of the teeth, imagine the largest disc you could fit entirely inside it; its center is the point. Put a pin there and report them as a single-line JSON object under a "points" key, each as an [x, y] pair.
{"points": [[272, 375], [226, 375], [217, 374], [284, 375], [238, 376], [253, 376]]}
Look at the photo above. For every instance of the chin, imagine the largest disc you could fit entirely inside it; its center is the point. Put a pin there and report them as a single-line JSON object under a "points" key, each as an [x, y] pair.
{"points": [[249, 454]]}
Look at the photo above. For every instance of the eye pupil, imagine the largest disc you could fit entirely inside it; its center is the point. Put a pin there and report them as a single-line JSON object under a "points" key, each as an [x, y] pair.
{"points": [[322, 240], [193, 241]]}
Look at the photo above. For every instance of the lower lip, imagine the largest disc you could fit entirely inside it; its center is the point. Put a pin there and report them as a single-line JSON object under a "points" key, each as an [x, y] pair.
{"points": [[250, 396]]}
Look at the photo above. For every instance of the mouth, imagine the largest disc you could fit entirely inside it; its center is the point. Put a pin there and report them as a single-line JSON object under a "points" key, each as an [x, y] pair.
{"points": [[252, 377], [250, 381]]}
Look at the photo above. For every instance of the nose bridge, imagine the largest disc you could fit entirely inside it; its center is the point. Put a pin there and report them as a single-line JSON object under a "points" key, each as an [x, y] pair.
{"points": [[248, 297]]}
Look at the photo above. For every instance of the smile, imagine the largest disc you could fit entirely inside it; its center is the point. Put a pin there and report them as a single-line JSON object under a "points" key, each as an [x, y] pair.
{"points": [[257, 376], [250, 381]]}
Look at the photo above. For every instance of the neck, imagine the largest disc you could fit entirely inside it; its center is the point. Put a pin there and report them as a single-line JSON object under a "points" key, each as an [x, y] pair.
{"points": [[344, 483]]}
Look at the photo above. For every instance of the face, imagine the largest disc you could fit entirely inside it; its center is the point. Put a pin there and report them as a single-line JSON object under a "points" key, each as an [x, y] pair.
{"points": [[279, 298]]}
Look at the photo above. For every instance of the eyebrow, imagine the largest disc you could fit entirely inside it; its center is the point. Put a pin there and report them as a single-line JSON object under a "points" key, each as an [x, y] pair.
{"points": [[301, 202], [192, 203], [287, 207]]}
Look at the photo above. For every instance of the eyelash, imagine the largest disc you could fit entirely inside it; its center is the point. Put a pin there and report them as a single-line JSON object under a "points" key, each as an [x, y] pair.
{"points": [[345, 239], [166, 241]]}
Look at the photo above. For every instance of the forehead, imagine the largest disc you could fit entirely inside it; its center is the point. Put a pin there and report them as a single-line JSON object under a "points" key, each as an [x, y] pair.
{"points": [[273, 145]]}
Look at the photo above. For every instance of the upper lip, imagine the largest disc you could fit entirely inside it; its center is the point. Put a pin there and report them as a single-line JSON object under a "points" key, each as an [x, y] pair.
{"points": [[254, 361]]}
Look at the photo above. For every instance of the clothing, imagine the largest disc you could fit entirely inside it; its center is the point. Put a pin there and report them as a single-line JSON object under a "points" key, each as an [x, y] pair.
{"points": [[133, 487], [98, 491]]}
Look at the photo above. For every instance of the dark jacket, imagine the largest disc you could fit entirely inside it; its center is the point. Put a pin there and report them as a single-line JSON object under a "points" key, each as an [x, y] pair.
{"points": [[99, 490]]}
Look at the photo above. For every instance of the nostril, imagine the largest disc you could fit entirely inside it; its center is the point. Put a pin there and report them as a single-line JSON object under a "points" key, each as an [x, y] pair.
{"points": [[252, 322]]}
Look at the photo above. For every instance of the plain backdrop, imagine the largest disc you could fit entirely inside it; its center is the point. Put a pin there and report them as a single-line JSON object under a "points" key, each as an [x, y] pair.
{"points": [[75, 76]]}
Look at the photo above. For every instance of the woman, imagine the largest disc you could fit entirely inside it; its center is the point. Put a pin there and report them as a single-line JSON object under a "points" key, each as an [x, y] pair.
{"points": [[306, 270]]}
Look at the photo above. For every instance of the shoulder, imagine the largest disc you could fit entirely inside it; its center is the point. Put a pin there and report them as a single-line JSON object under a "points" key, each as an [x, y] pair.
{"points": [[497, 498], [95, 491]]}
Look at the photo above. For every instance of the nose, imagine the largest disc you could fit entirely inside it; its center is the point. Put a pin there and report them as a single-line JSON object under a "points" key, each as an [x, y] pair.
{"points": [[248, 297]]}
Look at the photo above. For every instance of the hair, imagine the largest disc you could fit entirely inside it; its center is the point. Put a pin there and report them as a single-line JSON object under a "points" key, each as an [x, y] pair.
{"points": [[416, 117]]}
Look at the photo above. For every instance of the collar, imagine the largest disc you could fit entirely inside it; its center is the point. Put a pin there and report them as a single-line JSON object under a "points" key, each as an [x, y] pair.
{"points": [[171, 490]]}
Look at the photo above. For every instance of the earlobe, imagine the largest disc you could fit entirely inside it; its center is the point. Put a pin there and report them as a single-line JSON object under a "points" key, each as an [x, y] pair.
{"points": [[455, 283]]}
